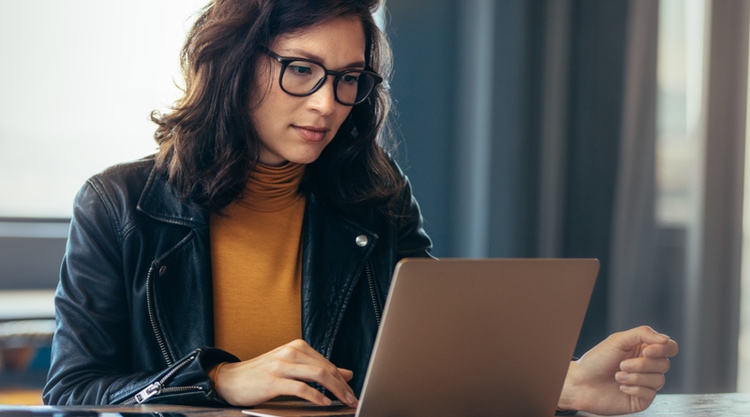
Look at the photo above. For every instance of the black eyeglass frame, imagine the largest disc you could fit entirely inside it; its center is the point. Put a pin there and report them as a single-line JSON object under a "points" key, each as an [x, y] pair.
{"points": [[286, 60]]}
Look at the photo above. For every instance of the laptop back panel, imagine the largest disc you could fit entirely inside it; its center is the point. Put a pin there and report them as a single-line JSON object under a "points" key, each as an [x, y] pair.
{"points": [[477, 337]]}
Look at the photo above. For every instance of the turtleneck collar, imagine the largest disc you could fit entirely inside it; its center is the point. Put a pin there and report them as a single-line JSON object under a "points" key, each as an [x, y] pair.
{"points": [[272, 188]]}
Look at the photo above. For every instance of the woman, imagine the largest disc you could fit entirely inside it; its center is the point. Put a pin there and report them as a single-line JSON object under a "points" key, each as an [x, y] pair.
{"points": [[250, 257]]}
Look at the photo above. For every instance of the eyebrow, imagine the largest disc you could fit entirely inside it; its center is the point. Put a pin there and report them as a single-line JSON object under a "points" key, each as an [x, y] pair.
{"points": [[307, 55]]}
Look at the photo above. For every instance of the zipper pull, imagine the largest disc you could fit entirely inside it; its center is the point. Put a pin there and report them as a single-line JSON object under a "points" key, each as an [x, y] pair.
{"points": [[148, 392]]}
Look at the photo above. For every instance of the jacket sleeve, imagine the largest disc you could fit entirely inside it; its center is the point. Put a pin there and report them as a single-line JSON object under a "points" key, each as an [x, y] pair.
{"points": [[413, 241], [92, 351]]}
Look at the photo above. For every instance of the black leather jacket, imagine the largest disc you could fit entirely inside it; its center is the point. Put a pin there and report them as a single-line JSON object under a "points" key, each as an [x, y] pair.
{"points": [[134, 303]]}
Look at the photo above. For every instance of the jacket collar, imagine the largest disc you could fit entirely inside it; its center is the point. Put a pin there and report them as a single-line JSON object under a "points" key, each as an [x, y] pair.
{"points": [[160, 201]]}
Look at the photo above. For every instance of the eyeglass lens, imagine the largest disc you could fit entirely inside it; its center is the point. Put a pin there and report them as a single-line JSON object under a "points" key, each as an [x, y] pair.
{"points": [[303, 78]]}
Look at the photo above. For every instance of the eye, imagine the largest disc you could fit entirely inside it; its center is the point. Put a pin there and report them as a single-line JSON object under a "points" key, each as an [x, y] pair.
{"points": [[300, 68], [350, 78]]}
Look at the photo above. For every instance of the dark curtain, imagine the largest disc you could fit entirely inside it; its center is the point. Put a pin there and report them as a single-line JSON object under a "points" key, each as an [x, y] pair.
{"points": [[429, 39]]}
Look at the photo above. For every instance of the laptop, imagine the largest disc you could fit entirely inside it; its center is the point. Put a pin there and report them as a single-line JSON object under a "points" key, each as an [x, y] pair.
{"points": [[473, 337]]}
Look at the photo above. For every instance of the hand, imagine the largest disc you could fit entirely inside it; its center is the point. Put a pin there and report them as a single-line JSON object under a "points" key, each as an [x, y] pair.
{"points": [[620, 375], [284, 371]]}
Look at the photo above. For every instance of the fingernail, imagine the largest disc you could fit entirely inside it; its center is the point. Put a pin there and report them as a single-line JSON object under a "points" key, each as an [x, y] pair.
{"points": [[327, 401], [621, 376], [351, 400], [663, 336]]}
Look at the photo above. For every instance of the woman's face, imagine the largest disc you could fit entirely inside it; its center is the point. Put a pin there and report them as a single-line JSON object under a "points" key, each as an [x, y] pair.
{"points": [[297, 129]]}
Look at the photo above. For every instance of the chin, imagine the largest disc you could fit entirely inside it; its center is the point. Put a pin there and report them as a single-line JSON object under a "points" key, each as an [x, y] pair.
{"points": [[304, 158]]}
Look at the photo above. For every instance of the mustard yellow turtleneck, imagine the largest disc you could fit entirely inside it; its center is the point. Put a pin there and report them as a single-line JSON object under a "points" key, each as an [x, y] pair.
{"points": [[256, 262]]}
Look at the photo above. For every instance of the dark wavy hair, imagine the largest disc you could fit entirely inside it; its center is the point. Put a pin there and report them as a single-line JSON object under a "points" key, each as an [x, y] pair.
{"points": [[207, 143]]}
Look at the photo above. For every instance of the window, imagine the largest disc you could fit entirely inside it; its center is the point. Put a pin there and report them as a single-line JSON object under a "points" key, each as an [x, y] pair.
{"points": [[682, 140], [679, 131], [80, 78]]}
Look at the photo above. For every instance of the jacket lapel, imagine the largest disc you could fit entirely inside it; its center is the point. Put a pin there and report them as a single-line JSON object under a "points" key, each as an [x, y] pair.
{"points": [[179, 289], [334, 255]]}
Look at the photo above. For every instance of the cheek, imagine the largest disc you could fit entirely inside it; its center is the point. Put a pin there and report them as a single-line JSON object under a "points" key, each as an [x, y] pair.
{"points": [[268, 105]]}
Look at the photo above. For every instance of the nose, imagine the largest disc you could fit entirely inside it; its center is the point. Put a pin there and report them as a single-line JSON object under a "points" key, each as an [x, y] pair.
{"points": [[324, 100]]}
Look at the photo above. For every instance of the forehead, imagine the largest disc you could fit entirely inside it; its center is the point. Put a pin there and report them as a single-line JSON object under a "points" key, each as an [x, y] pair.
{"points": [[340, 41]]}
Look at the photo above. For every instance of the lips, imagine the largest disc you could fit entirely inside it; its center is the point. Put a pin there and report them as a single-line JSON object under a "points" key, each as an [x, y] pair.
{"points": [[311, 133]]}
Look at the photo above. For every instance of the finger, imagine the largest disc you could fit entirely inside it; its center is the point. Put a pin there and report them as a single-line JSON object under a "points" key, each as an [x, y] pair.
{"points": [[301, 390], [327, 376], [306, 364], [346, 374], [645, 365], [638, 336], [653, 381], [301, 352], [661, 350], [642, 396]]}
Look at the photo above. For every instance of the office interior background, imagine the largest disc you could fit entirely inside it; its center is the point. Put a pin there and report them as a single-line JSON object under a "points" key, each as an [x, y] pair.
{"points": [[529, 128]]}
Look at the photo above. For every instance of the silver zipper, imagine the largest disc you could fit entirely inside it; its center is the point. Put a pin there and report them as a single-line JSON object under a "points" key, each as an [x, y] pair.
{"points": [[373, 294], [148, 392], [162, 390], [152, 315], [157, 387]]}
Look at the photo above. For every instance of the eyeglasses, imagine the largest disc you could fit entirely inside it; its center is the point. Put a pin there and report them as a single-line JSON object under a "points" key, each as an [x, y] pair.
{"points": [[302, 77]]}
